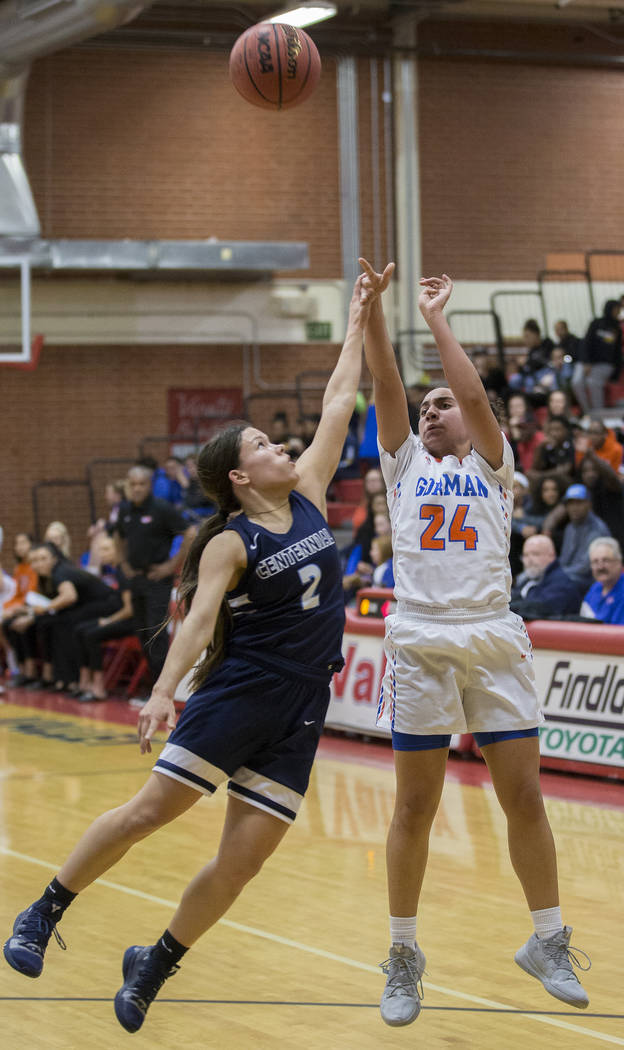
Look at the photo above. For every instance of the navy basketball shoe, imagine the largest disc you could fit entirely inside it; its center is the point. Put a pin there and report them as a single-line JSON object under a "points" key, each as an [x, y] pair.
{"points": [[25, 949], [144, 976]]}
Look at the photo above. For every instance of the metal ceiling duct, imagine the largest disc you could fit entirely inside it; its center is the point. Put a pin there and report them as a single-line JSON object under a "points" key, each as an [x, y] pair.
{"points": [[28, 30]]}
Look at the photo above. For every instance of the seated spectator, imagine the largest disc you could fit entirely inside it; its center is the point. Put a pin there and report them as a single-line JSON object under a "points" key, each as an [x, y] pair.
{"points": [[558, 404], [114, 495], [557, 375], [381, 557], [349, 465], [606, 490], [543, 591], [600, 359], [279, 431], [307, 427], [599, 439], [58, 534], [168, 482], [90, 636], [523, 431], [546, 505], [569, 343], [533, 360], [195, 504], [583, 526], [415, 394], [523, 524], [492, 375], [555, 455], [604, 600], [373, 484], [25, 579], [78, 596], [359, 568], [295, 446]]}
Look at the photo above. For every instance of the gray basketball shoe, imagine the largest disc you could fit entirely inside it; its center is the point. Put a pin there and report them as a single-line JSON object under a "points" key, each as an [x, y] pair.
{"points": [[400, 1002], [550, 961]]}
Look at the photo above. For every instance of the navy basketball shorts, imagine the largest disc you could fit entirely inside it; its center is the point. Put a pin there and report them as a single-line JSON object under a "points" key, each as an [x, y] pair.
{"points": [[257, 729]]}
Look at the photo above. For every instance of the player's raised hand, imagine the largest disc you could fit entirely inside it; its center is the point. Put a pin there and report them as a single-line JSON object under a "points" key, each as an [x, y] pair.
{"points": [[434, 295], [373, 283]]}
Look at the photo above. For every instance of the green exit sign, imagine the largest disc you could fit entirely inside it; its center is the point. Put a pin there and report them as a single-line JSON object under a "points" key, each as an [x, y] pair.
{"points": [[318, 330]]}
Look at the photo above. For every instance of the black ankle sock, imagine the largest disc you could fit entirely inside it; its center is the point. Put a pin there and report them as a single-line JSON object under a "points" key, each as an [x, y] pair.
{"points": [[57, 894], [168, 950]]}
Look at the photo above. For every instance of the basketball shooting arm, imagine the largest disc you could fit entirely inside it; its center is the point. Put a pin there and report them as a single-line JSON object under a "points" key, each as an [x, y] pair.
{"points": [[222, 562], [461, 375], [318, 464]]}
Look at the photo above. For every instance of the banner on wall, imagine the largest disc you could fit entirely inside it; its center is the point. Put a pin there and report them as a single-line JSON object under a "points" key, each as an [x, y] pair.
{"points": [[582, 697], [195, 414]]}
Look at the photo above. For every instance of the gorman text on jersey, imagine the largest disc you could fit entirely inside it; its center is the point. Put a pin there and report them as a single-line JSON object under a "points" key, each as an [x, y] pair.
{"points": [[451, 485]]}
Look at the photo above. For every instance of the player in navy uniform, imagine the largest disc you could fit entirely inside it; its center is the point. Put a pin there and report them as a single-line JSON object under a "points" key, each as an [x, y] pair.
{"points": [[262, 586]]}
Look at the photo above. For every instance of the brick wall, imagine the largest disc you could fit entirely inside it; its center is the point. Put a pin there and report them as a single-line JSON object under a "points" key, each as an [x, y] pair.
{"points": [[82, 404]]}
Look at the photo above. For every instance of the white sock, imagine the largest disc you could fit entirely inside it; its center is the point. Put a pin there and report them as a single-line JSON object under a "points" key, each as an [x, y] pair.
{"points": [[403, 930], [547, 922]]}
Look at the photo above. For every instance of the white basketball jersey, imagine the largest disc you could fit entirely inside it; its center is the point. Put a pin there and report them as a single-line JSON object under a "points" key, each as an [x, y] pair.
{"points": [[451, 521]]}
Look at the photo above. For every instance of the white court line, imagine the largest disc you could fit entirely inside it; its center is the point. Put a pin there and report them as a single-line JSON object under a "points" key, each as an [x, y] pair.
{"points": [[345, 960]]}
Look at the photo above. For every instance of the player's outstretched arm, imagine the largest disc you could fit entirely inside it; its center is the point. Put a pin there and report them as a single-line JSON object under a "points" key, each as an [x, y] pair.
{"points": [[393, 425], [461, 375], [318, 464]]}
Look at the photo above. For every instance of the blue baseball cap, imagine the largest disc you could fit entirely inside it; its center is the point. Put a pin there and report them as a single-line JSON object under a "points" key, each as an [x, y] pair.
{"points": [[576, 492]]}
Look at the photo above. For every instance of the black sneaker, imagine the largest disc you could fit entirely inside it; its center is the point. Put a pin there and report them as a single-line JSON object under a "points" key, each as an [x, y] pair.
{"points": [[144, 976], [25, 949]]}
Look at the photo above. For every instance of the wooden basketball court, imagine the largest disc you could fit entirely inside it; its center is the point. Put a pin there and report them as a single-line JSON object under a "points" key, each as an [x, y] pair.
{"points": [[294, 964]]}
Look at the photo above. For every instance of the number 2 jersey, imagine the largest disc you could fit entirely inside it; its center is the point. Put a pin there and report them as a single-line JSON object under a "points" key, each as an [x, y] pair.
{"points": [[288, 606], [451, 522]]}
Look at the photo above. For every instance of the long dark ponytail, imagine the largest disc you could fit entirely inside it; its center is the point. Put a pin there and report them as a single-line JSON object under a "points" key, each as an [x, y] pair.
{"points": [[216, 459]]}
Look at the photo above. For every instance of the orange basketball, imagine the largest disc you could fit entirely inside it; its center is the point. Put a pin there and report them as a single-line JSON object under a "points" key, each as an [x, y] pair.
{"points": [[274, 65]]}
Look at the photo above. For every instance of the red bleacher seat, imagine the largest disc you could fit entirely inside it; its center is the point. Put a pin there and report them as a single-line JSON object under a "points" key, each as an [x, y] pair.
{"points": [[614, 394], [349, 490], [339, 514]]}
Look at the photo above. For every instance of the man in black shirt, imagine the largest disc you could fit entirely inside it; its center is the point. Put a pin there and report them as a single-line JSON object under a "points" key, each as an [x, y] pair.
{"points": [[146, 528]]}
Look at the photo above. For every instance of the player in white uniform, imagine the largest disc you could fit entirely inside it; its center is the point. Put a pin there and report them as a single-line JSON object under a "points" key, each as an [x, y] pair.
{"points": [[457, 659]]}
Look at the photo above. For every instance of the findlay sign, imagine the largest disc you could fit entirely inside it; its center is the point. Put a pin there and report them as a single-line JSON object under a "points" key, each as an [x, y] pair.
{"points": [[583, 700]]}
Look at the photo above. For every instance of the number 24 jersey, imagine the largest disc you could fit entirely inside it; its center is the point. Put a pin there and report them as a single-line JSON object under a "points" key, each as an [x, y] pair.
{"points": [[451, 522]]}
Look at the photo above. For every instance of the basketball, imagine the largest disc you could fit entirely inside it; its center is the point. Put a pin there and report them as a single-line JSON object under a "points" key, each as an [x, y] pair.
{"points": [[275, 66]]}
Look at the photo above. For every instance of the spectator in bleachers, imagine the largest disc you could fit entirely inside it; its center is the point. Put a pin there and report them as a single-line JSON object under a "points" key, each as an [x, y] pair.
{"points": [[415, 394], [78, 596], [522, 431], [279, 431], [569, 343], [25, 580], [295, 446], [600, 440], [349, 465], [604, 600], [554, 455], [558, 403], [600, 356], [492, 375], [532, 361], [606, 490], [168, 482], [58, 534], [543, 590], [195, 503], [373, 484], [359, 567], [146, 530], [90, 636], [381, 557], [523, 523], [307, 427], [114, 495], [582, 527], [557, 375], [547, 507]]}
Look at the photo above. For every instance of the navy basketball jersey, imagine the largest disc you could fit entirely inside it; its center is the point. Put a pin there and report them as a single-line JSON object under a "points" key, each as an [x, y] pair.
{"points": [[289, 602]]}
